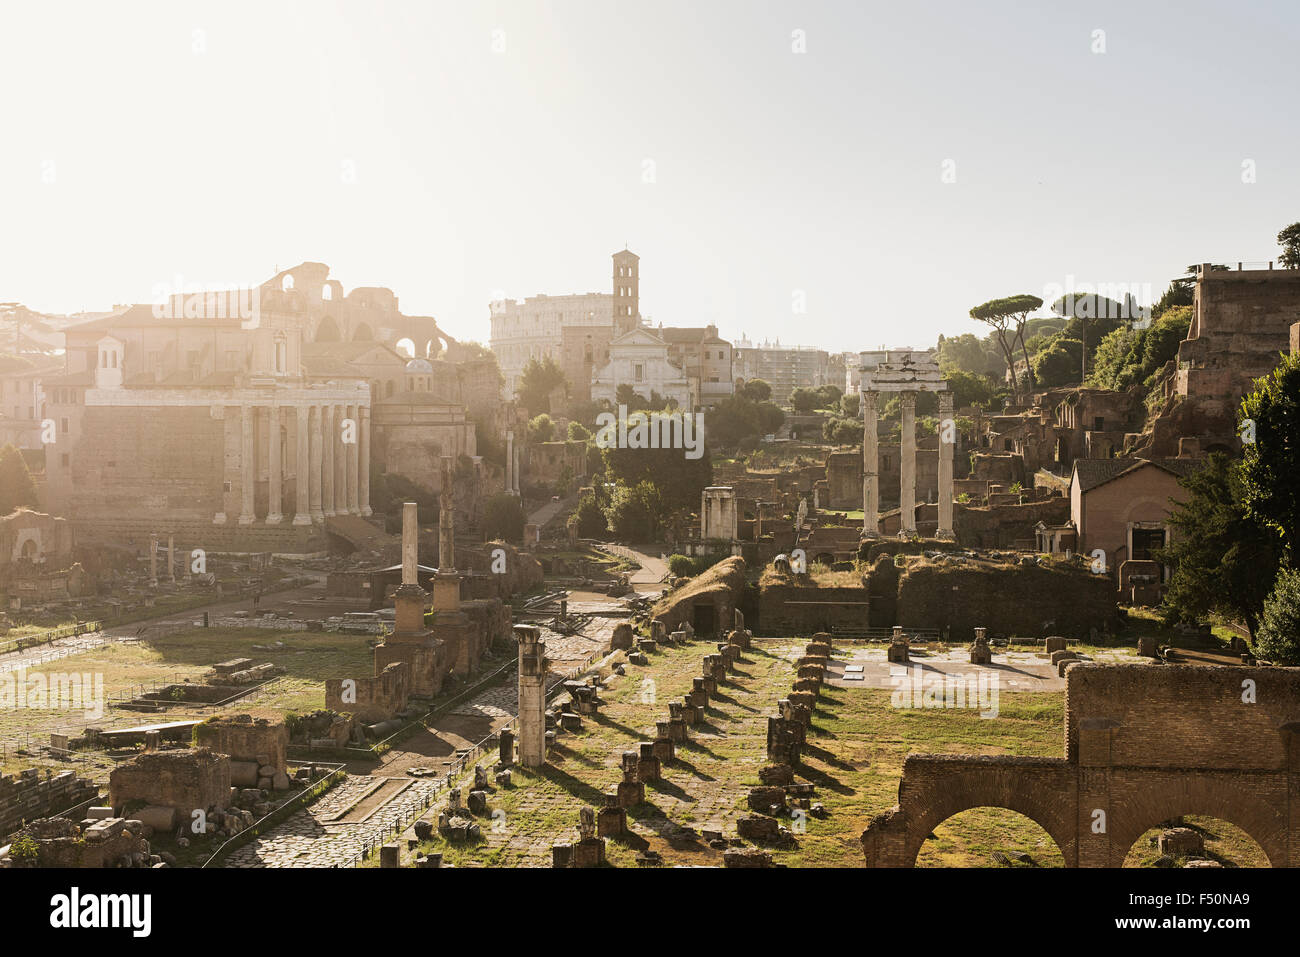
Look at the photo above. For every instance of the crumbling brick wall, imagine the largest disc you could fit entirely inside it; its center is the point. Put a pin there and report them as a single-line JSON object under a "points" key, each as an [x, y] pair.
{"points": [[378, 697], [1023, 600], [1144, 745], [185, 780], [244, 738]]}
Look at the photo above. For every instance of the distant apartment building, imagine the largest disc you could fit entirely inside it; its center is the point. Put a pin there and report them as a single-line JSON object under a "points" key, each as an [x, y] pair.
{"points": [[705, 358], [575, 330], [784, 368]]}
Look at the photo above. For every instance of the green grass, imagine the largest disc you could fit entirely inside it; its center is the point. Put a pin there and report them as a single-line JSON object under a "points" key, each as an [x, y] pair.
{"points": [[308, 658]]}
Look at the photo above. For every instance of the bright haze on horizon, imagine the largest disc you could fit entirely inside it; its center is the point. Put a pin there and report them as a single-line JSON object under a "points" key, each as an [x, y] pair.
{"points": [[459, 152]]}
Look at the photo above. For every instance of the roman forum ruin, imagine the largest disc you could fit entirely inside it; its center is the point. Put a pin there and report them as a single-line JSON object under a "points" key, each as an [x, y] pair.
{"points": [[882, 534]]}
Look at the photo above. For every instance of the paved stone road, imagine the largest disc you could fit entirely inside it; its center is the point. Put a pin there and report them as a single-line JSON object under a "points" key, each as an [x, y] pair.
{"points": [[311, 838]]}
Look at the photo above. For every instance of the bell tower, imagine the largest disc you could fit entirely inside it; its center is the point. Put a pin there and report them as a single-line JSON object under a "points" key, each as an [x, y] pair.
{"points": [[627, 294]]}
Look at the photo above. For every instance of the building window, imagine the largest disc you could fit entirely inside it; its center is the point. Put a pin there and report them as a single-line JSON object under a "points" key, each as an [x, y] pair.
{"points": [[639, 372]]}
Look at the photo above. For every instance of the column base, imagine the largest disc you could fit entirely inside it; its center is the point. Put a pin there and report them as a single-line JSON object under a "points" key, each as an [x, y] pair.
{"points": [[366, 512], [219, 518], [330, 513], [317, 515], [275, 518], [247, 519], [301, 519], [945, 535]]}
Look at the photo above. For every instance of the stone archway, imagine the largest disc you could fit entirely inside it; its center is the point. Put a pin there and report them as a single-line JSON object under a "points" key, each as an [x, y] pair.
{"points": [[327, 330], [1144, 744], [936, 787], [1257, 807]]}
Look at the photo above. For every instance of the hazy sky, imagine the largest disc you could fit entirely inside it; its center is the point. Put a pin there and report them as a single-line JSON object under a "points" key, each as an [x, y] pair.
{"points": [[504, 149]]}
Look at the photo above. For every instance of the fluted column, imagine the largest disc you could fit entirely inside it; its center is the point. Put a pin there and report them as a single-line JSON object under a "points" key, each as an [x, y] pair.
{"points": [[870, 467], [907, 467], [273, 462], [302, 470], [947, 439], [247, 466], [340, 462], [314, 464], [363, 427], [354, 489], [329, 430]]}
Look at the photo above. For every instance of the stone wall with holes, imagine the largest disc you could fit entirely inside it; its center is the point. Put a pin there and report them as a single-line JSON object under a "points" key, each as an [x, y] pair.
{"points": [[33, 794]]}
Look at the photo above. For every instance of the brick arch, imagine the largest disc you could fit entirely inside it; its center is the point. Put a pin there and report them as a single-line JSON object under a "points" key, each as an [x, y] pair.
{"points": [[1254, 805], [934, 788]]}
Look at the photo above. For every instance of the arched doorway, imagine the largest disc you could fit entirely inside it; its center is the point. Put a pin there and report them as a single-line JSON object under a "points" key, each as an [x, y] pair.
{"points": [[989, 837], [363, 334]]}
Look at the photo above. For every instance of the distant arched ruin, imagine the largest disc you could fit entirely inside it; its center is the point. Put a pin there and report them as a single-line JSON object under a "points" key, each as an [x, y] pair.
{"points": [[1144, 744]]}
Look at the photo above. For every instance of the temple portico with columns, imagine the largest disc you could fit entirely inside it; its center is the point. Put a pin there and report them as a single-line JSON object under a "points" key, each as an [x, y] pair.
{"points": [[905, 375]]}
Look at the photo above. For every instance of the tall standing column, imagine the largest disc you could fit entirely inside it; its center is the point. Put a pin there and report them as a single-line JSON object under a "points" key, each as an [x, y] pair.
{"points": [[363, 428], [354, 461], [314, 463], [302, 470], [329, 429], [947, 439], [510, 462], [340, 463], [532, 696], [273, 463], [446, 518], [907, 468], [247, 466], [870, 467]]}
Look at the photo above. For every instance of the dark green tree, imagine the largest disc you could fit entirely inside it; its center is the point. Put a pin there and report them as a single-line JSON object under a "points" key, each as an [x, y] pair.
{"points": [[1289, 240], [1224, 560], [804, 401], [503, 519], [634, 512], [16, 485], [1271, 463], [590, 518], [539, 379], [1279, 625]]}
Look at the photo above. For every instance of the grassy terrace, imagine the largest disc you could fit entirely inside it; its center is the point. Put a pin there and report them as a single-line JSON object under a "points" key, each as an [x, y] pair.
{"points": [[704, 787], [307, 657], [854, 756]]}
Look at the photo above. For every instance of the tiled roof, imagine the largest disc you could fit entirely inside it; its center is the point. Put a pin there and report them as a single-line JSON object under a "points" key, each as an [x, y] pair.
{"points": [[1094, 472]]}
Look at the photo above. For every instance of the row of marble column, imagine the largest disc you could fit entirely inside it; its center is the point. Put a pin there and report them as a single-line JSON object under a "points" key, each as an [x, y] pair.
{"points": [[906, 466], [331, 461]]}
